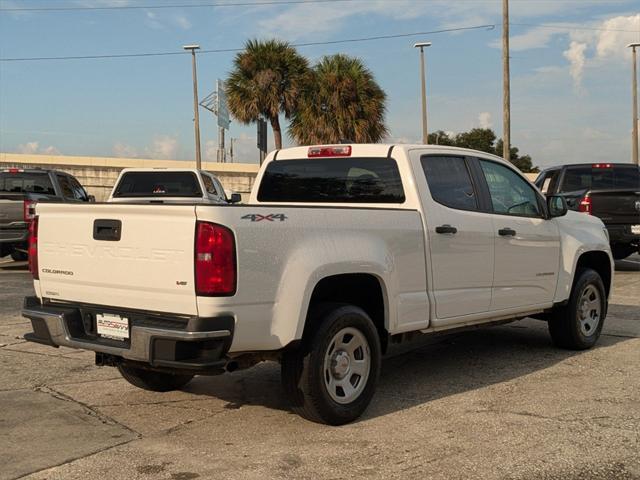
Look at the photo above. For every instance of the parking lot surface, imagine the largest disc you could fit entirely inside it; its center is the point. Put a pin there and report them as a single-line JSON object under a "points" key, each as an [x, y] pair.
{"points": [[494, 403]]}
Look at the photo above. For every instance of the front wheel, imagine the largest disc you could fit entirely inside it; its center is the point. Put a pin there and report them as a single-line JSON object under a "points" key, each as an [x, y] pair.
{"points": [[577, 325], [333, 378], [152, 380]]}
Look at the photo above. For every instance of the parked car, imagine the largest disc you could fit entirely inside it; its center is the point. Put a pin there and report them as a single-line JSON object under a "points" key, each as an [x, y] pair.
{"points": [[340, 251], [609, 191], [169, 185], [20, 189]]}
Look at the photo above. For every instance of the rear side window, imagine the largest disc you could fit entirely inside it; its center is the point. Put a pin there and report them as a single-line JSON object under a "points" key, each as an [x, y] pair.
{"points": [[26, 183], [591, 178], [450, 182], [344, 180], [158, 184], [65, 186]]}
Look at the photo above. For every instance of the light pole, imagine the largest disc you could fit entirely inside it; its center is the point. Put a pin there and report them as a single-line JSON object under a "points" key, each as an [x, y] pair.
{"points": [[425, 134], [193, 49], [634, 96], [506, 85]]}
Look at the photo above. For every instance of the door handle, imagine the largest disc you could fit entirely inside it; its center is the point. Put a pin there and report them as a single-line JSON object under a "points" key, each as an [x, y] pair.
{"points": [[446, 229], [507, 232]]}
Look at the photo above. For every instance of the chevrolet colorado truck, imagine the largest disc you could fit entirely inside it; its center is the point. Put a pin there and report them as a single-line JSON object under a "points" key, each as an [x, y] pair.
{"points": [[340, 251], [169, 185], [609, 191], [20, 189]]}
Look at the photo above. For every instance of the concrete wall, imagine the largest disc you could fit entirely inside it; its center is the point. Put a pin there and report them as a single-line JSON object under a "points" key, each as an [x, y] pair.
{"points": [[98, 174]]}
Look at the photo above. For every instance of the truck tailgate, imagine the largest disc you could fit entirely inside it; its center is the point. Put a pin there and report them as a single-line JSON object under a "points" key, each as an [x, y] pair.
{"points": [[146, 265], [616, 206]]}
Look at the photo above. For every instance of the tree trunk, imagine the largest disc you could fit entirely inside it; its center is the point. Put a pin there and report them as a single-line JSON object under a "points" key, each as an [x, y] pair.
{"points": [[277, 133]]}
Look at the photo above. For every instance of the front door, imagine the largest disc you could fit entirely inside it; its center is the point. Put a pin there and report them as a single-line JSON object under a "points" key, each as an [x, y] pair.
{"points": [[527, 246]]}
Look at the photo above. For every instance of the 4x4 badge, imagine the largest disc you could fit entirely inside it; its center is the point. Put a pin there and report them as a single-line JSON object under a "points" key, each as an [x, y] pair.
{"points": [[256, 217]]}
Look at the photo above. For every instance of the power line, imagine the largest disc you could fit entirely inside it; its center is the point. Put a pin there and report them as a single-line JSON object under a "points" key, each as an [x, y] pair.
{"points": [[227, 50], [182, 5], [572, 27]]}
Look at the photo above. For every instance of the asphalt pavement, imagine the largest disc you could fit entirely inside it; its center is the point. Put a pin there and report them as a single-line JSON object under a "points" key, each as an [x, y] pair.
{"points": [[496, 403]]}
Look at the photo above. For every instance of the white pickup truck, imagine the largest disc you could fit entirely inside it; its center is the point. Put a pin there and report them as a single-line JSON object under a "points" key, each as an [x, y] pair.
{"points": [[340, 251]]}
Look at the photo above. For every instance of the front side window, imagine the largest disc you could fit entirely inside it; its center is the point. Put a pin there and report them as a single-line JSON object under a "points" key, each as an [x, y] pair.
{"points": [[450, 182], [335, 180], [78, 192], [510, 193], [65, 186]]}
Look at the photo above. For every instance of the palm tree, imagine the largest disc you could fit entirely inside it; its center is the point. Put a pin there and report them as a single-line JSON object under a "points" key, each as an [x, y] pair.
{"points": [[267, 80], [342, 101]]}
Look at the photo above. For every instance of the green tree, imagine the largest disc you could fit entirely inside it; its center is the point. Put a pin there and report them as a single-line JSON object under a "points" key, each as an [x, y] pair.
{"points": [[440, 137], [342, 101], [267, 79], [524, 163], [478, 139]]}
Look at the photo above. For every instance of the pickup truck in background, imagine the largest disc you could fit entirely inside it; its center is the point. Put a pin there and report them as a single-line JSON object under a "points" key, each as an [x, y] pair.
{"points": [[169, 185], [20, 189], [609, 191], [340, 251]]}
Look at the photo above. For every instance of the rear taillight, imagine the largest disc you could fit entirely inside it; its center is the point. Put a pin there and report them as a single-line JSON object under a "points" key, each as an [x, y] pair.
{"points": [[585, 204], [33, 248], [28, 210], [215, 260]]}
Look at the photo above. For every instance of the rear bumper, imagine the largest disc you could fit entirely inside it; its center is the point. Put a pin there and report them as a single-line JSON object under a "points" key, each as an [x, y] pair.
{"points": [[14, 235], [622, 234], [186, 343]]}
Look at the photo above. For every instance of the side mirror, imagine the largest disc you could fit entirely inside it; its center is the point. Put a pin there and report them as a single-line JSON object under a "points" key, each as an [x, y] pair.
{"points": [[235, 198], [557, 206], [91, 199]]}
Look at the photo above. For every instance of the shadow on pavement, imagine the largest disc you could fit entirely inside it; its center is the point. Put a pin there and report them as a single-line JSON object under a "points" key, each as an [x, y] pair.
{"points": [[446, 366]]}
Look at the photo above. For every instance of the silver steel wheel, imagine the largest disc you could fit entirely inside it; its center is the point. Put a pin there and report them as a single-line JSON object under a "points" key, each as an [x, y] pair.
{"points": [[347, 364], [589, 310]]}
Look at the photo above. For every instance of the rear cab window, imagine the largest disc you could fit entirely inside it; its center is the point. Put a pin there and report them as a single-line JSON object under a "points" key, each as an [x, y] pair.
{"points": [[26, 182], [449, 181], [158, 184], [600, 177], [332, 180]]}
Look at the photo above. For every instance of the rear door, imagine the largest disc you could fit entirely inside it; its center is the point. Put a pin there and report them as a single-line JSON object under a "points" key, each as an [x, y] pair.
{"points": [[132, 256], [460, 234], [527, 246]]}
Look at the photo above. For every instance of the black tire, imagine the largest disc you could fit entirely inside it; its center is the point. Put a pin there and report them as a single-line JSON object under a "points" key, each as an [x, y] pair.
{"points": [[620, 252], [565, 322], [18, 256], [152, 380], [303, 370]]}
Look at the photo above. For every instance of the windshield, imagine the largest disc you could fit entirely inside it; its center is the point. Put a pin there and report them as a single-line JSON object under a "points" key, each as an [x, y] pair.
{"points": [[158, 184]]}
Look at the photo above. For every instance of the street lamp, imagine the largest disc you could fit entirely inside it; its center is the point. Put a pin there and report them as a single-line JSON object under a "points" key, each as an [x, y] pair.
{"points": [[634, 96], [422, 46], [193, 49]]}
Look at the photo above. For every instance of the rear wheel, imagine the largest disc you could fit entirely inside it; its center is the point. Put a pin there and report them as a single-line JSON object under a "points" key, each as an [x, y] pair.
{"points": [[577, 325], [333, 378], [18, 256], [152, 380], [620, 252]]}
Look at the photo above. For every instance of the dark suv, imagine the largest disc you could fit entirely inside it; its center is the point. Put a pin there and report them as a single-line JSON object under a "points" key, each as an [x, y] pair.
{"points": [[609, 191], [20, 189]]}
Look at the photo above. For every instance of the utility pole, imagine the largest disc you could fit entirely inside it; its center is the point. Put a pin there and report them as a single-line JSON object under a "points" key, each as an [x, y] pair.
{"points": [[231, 148], [634, 96], [221, 150], [506, 87], [425, 132], [196, 117]]}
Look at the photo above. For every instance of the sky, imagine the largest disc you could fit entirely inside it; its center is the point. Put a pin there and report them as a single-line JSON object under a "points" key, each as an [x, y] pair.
{"points": [[570, 71]]}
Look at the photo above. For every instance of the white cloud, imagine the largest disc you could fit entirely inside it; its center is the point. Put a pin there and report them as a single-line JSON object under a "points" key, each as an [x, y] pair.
{"points": [[163, 147], [33, 148], [576, 57], [484, 119], [123, 150], [182, 21]]}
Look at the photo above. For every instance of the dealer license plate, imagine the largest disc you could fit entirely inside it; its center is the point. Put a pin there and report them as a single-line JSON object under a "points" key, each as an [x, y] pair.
{"points": [[112, 326], [635, 229]]}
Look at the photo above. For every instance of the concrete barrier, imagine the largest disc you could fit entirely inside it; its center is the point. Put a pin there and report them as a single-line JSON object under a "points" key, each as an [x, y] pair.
{"points": [[98, 174]]}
